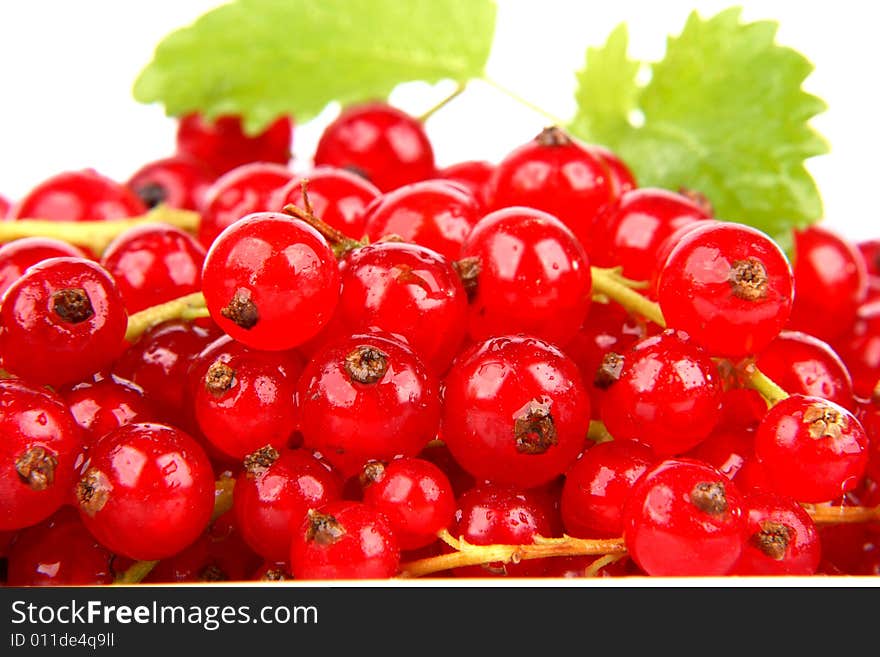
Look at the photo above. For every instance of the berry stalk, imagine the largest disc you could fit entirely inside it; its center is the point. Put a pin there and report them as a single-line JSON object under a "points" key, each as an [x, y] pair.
{"points": [[609, 283], [189, 307]]}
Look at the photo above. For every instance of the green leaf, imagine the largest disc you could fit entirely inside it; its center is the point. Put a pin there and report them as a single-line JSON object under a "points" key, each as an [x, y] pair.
{"points": [[724, 113], [265, 58]]}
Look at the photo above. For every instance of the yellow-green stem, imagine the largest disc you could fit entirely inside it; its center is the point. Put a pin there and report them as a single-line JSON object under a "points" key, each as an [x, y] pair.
{"points": [[764, 385], [459, 89], [609, 283], [188, 307], [598, 432]]}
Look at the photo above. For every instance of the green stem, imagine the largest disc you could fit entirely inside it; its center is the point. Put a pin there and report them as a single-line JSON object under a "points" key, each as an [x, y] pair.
{"points": [[598, 432], [136, 572], [187, 307], [459, 89], [755, 379], [524, 102], [611, 284]]}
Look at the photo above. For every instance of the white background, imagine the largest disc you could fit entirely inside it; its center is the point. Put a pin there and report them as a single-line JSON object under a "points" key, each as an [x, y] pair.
{"points": [[66, 70]]}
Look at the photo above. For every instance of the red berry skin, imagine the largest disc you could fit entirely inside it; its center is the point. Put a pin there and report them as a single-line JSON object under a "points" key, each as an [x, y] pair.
{"points": [[386, 146], [859, 347], [802, 364], [433, 213], [79, 196], [222, 145], [270, 282], [178, 181], [812, 449], [630, 232], [414, 495], [105, 404], [63, 320], [782, 537], [40, 447], [684, 519], [240, 192], [18, 255], [154, 263], [558, 175], [344, 540], [621, 176], [830, 283], [534, 277], [598, 484], [473, 174], [337, 196], [4, 207], [727, 449], [407, 290], [667, 394], [490, 514], [59, 552], [515, 411], [273, 495], [148, 491], [870, 251], [729, 286], [244, 398], [367, 397]]}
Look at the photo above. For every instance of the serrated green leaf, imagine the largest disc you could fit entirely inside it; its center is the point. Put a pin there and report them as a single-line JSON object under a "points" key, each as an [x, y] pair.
{"points": [[266, 58], [724, 114]]}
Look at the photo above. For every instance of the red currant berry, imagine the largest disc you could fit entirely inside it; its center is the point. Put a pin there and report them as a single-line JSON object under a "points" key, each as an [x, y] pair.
{"points": [[40, 445], [79, 196], [409, 291], [272, 571], [489, 514], [178, 181], [727, 449], [557, 174], [782, 537], [336, 196], [148, 491], [154, 263], [240, 192], [729, 286], [270, 282], [859, 348], [5, 205], [812, 449], [830, 283], [223, 144], [414, 495], [63, 320], [105, 404], [433, 213], [365, 398], [473, 174], [622, 178], [532, 276], [630, 233], [870, 251], [515, 411], [684, 519], [664, 390], [386, 146], [59, 552], [344, 540], [18, 255]]}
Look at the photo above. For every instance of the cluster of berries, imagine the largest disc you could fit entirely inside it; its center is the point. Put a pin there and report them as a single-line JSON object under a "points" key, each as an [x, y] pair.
{"points": [[377, 367]]}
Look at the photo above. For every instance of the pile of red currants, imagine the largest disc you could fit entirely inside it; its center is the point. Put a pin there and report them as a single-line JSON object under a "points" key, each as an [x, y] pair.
{"points": [[376, 367]]}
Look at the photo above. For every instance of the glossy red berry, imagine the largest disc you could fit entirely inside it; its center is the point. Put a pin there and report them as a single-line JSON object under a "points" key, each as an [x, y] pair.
{"points": [[782, 537], [532, 276], [472, 174], [598, 484], [414, 495], [337, 197], [729, 286], [84, 195], [223, 144], [4, 207], [63, 320], [727, 449], [490, 514], [621, 176], [664, 390], [40, 447], [383, 144], [812, 449], [433, 213], [102, 405], [367, 397], [270, 282], [557, 174], [18, 255], [407, 290], [684, 519], [240, 192], [243, 399], [830, 283], [274, 493], [148, 491], [344, 540], [178, 181], [515, 411], [859, 348], [154, 263]]}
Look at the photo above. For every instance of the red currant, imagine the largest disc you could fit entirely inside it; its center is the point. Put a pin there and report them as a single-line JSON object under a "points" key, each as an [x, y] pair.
{"points": [[622, 178], [107, 403], [178, 181], [473, 174], [859, 347], [18, 255]]}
